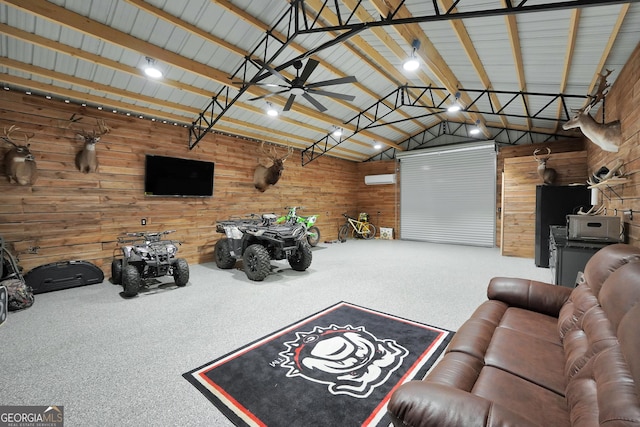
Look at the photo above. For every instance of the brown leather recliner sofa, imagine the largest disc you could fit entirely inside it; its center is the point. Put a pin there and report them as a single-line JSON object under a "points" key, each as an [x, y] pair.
{"points": [[537, 354]]}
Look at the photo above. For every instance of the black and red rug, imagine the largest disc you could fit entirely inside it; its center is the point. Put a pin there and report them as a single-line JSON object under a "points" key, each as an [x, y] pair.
{"points": [[336, 367]]}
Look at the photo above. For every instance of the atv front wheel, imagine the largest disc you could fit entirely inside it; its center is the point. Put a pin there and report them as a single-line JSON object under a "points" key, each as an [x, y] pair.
{"points": [[224, 259], [257, 263], [313, 236], [116, 271], [130, 281], [180, 271], [301, 260]]}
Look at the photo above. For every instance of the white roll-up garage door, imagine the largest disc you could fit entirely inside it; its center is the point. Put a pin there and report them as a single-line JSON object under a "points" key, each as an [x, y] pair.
{"points": [[448, 194]]}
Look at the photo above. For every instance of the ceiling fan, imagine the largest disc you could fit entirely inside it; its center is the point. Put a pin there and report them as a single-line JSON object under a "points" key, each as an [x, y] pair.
{"points": [[299, 85]]}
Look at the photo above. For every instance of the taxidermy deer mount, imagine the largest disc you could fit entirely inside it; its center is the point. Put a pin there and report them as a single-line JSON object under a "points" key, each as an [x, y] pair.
{"points": [[263, 176], [607, 136], [548, 175], [19, 163], [87, 158]]}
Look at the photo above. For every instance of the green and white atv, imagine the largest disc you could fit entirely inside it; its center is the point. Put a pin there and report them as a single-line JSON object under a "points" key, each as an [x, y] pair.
{"points": [[145, 256], [257, 241]]}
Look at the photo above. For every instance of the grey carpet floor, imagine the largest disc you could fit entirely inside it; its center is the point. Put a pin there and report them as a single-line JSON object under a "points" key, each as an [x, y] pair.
{"points": [[112, 361]]}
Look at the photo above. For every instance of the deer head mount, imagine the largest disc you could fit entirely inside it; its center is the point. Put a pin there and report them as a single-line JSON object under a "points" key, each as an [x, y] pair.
{"points": [[19, 163], [607, 136], [87, 158], [548, 175], [263, 176]]}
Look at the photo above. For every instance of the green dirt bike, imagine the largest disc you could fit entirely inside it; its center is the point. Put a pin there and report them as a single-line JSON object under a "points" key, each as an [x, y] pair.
{"points": [[313, 232]]}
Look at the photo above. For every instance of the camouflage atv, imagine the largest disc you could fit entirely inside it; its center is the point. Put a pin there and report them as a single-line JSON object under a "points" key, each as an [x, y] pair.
{"points": [[144, 256]]}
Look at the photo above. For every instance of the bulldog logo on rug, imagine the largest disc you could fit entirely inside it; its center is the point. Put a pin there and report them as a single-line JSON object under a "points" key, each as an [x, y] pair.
{"points": [[350, 360]]}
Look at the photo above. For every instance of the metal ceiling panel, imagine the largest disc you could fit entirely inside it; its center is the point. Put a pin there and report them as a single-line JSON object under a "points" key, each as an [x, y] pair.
{"points": [[194, 64]]}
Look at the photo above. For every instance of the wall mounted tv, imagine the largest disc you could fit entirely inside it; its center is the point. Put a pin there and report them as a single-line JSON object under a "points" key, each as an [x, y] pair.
{"points": [[174, 177]]}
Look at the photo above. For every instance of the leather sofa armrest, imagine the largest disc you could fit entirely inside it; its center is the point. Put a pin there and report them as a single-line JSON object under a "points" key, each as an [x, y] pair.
{"points": [[422, 404], [532, 295]]}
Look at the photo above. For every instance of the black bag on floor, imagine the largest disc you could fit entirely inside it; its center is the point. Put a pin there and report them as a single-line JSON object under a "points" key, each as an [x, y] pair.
{"points": [[19, 295]]}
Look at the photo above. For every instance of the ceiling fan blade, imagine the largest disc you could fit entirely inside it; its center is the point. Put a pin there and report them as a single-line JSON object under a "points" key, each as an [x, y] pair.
{"points": [[315, 103], [308, 69], [258, 84], [332, 94], [272, 71], [268, 95], [338, 81], [289, 103]]}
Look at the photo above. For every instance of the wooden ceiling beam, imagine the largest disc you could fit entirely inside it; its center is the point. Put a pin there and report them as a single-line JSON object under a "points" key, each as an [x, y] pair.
{"points": [[428, 53], [132, 71], [59, 15]]}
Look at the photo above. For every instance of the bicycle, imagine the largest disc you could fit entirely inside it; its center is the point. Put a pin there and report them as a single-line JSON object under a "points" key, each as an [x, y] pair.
{"points": [[360, 227]]}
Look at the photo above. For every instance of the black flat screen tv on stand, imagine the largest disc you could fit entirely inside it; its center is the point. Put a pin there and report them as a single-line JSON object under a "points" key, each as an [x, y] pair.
{"points": [[175, 177]]}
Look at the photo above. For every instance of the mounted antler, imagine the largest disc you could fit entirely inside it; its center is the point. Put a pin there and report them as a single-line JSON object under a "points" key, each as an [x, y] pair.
{"points": [[19, 163], [548, 175], [87, 159], [263, 177], [607, 136], [602, 86]]}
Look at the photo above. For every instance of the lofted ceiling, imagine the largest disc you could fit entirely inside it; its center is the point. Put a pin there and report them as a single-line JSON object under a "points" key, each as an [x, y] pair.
{"points": [[516, 68]]}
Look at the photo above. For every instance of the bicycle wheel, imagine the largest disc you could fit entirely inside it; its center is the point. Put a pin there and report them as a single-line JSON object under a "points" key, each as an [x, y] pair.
{"points": [[343, 233], [369, 231]]}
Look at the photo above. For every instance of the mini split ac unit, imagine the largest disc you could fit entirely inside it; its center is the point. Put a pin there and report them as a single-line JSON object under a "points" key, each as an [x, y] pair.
{"points": [[380, 179]]}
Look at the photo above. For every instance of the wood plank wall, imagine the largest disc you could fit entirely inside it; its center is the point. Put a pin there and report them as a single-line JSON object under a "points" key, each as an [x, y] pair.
{"points": [[520, 179], [69, 215], [623, 103], [529, 168], [381, 202]]}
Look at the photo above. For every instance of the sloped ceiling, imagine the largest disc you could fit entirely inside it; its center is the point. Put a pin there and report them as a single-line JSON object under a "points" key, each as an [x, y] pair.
{"points": [[517, 69]]}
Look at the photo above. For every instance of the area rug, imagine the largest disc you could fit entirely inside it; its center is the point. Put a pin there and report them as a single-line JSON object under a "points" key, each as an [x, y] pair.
{"points": [[336, 367]]}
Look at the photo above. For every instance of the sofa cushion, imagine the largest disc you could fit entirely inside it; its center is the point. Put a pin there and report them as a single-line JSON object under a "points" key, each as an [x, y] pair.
{"points": [[537, 404], [604, 392], [528, 357], [580, 301], [475, 334], [620, 292], [528, 322], [606, 261], [592, 334]]}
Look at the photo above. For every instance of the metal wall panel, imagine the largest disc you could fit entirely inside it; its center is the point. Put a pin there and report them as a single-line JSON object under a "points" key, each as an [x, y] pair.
{"points": [[448, 195]]}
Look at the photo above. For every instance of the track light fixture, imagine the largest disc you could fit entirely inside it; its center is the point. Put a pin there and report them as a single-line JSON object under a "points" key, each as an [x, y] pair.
{"points": [[151, 70], [271, 111], [412, 63]]}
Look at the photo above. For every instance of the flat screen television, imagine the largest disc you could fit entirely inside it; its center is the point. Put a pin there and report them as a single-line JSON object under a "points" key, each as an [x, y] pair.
{"points": [[175, 177]]}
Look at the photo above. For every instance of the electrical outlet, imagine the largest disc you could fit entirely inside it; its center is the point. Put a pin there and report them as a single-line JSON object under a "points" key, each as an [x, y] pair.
{"points": [[143, 221]]}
